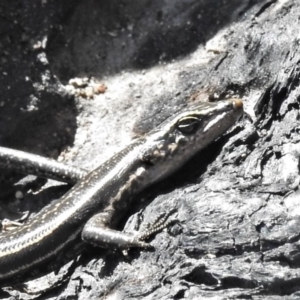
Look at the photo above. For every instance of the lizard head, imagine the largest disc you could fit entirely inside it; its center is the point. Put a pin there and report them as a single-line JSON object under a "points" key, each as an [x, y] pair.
{"points": [[181, 136]]}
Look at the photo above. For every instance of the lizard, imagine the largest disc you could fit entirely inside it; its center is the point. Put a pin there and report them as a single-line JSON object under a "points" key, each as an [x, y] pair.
{"points": [[94, 205]]}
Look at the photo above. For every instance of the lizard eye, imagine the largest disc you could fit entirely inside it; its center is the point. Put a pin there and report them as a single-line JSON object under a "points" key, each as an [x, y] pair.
{"points": [[188, 125]]}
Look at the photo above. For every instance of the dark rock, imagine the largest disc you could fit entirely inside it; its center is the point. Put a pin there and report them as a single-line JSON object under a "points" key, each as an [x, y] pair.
{"points": [[237, 202]]}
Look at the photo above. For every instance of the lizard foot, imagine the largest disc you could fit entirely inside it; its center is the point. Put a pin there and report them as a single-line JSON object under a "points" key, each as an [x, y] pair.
{"points": [[160, 223]]}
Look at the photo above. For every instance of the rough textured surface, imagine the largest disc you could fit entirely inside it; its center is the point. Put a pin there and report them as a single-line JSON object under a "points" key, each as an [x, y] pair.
{"points": [[237, 201]]}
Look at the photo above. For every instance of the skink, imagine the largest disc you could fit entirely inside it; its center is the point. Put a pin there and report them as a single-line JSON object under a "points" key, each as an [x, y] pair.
{"points": [[94, 206]]}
